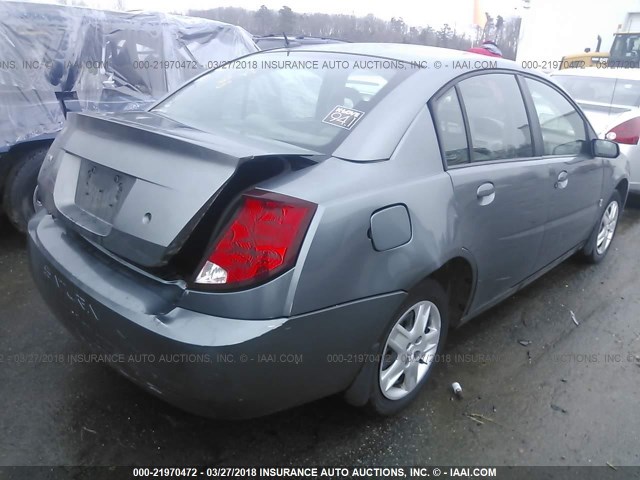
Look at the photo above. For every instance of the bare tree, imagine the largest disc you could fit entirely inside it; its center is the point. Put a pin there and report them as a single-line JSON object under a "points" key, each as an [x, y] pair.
{"points": [[287, 19], [364, 29]]}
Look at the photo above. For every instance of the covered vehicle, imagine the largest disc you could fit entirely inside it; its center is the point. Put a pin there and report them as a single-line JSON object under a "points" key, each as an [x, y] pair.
{"points": [[96, 61], [610, 97], [281, 230]]}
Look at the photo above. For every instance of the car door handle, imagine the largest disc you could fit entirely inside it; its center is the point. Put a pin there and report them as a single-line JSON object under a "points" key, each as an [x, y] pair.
{"points": [[486, 193], [563, 179]]}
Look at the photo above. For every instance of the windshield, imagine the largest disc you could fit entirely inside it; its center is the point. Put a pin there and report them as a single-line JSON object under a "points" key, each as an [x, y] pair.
{"points": [[609, 91], [312, 100], [626, 47]]}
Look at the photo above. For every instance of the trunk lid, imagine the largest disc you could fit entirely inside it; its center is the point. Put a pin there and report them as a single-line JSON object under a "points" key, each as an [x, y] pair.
{"points": [[138, 183]]}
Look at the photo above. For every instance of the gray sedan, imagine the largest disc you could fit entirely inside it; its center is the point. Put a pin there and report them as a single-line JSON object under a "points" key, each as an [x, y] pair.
{"points": [[310, 222]]}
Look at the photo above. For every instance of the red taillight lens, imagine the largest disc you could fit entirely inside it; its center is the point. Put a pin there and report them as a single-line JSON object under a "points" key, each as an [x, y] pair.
{"points": [[627, 132], [262, 240]]}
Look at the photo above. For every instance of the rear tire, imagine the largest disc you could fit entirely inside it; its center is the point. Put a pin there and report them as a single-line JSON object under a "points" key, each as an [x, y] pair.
{"points": [[20, 185], [389, 396], [600, 241]]}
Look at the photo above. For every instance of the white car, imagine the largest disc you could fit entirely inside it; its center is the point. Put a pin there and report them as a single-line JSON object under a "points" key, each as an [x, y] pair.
{"points": [[610, 97]]}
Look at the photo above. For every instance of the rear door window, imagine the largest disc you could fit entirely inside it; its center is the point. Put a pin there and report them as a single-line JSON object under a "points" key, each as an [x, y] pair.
{"points": [[497, 117], [563, 129], [451, 130]]}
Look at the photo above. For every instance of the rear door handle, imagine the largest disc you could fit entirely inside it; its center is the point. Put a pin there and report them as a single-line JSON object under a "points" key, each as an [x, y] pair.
{"points": [[486, 193], [563, 179]]}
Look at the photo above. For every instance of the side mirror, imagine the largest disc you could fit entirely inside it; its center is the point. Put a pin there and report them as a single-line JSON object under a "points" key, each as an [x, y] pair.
{"points": [[605, 148]]}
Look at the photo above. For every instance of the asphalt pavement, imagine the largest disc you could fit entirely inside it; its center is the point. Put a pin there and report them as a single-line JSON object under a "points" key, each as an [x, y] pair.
{"points": [[550, 377]]}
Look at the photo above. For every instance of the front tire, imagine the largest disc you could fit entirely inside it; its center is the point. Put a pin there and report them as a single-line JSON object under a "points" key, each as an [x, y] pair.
{"points": [[602, 237], [410, 348]]}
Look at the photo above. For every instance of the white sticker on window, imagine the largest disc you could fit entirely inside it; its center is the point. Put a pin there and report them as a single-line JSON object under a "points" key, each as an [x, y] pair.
{"points": [[343, 117]]}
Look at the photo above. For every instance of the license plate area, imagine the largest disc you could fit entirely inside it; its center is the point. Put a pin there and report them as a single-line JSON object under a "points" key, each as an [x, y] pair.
{"points": [[101, 190]]}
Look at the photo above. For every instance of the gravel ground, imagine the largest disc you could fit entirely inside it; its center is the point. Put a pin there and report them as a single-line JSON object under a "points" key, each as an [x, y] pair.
{"points": [[569, 397]]}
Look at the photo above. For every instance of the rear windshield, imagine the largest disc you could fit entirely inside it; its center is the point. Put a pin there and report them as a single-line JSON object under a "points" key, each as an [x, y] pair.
{"points": [[309, 99], [609, 91]]}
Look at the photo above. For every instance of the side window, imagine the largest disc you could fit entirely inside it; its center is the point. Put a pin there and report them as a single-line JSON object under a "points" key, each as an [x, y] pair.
{"points": [[450, 125], [563, 130], [497, 117]]}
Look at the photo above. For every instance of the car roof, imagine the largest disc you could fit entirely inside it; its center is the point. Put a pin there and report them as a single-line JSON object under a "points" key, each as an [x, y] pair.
{"points": [[299, 38], [142, 19], [377, 135], [600, 72], [404, 52]]}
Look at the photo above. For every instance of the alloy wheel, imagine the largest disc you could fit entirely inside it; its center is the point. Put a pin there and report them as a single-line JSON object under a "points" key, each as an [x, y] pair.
{"points": [[607, 229], [410, 350]]}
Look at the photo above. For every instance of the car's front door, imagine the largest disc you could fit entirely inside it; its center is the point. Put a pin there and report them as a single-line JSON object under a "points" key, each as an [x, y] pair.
{"points": [[576, 175], [499, 185]]}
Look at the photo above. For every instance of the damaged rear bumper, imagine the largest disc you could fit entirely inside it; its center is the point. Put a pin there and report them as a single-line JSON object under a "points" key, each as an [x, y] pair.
{"points": [[209, 365]]}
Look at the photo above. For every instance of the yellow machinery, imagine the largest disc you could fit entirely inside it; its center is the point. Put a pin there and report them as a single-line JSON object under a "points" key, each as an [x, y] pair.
{"points": [[586, 59]]}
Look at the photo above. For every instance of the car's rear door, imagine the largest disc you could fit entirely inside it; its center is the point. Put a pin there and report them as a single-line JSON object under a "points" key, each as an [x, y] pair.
{"points": [[575, 184], [501, 199]]}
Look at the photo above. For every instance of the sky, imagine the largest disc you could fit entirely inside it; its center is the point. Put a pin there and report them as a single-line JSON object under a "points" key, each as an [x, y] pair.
{"points": [[554, 28]]}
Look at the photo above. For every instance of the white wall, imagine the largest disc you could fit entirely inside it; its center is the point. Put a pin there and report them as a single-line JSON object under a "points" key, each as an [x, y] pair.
{"points": [[554, 28]]}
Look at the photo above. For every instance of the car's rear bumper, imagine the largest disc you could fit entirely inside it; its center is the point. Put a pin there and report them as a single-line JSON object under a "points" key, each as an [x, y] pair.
{"points": [[219, 367]]}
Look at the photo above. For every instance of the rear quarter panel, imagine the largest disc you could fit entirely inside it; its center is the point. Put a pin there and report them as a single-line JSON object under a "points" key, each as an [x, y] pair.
{"points": [[340, 263], [616, 170]]}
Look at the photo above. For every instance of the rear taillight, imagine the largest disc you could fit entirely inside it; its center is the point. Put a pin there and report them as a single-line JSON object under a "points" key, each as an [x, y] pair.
{"points": [[627, 132], [262, 240]]}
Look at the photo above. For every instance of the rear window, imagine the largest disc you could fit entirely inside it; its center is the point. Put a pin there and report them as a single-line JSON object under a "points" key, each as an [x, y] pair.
{"points": [[311, 100], [608, 91]]}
